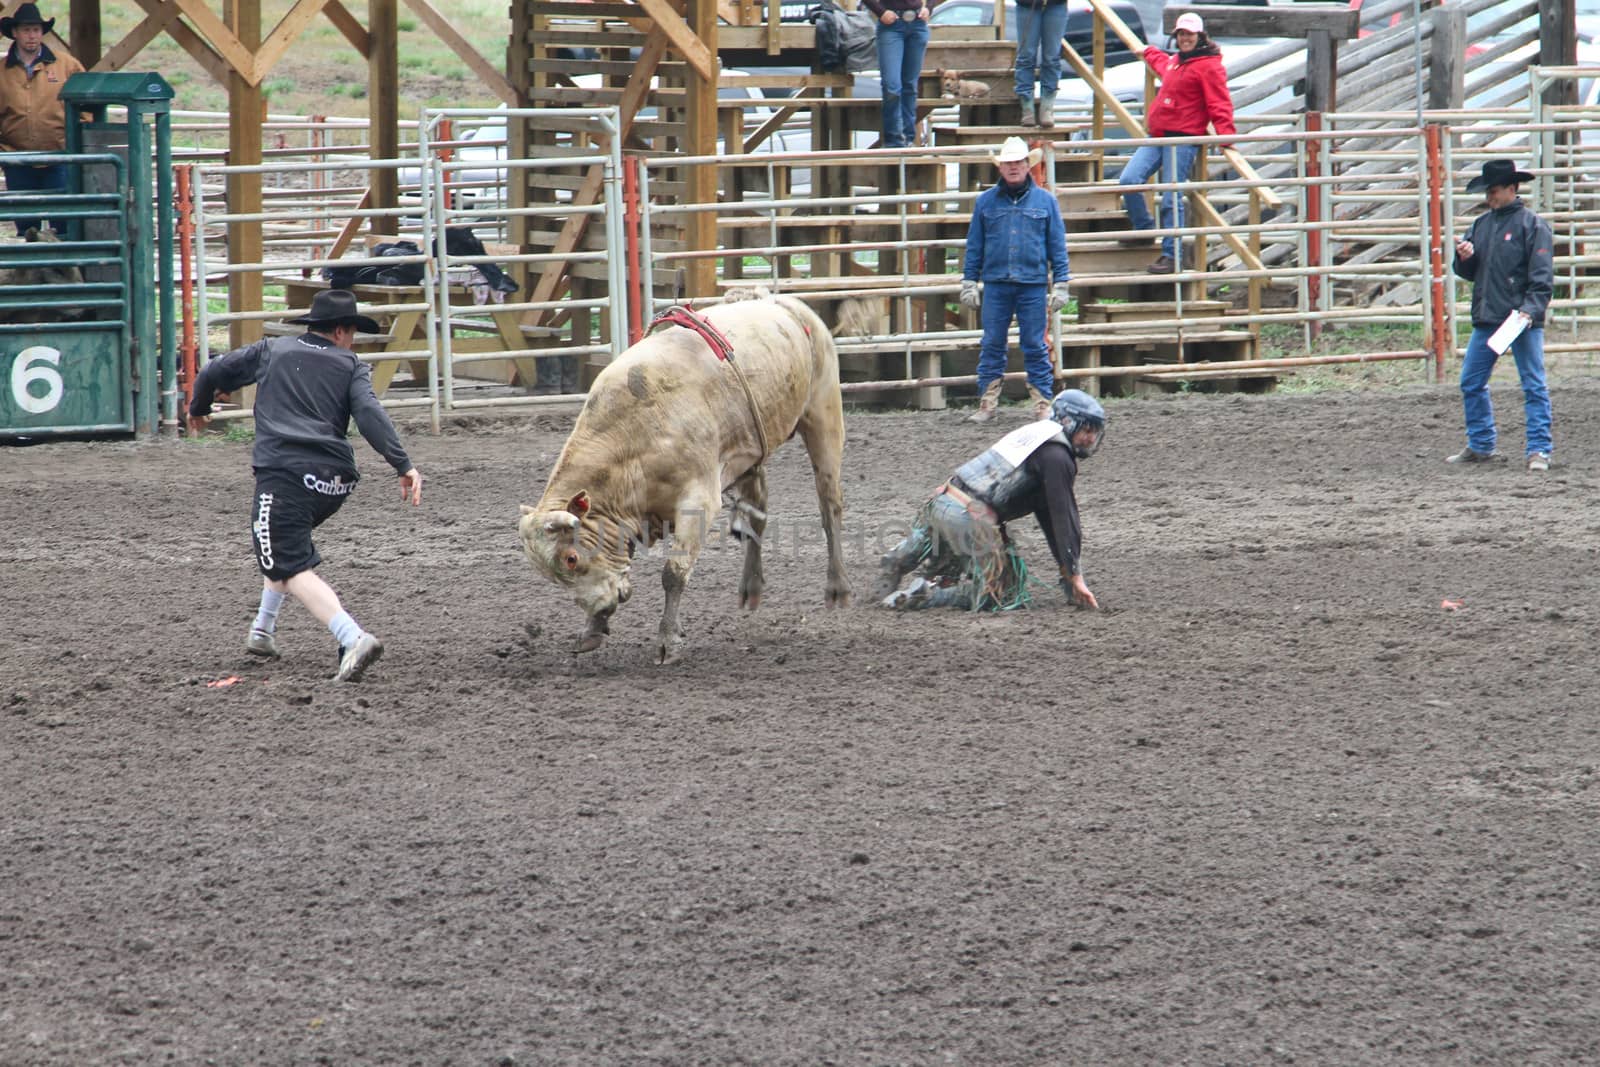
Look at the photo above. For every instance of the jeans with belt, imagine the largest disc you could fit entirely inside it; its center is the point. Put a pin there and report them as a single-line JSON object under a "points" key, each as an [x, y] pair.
{"points": [[901, 46]]}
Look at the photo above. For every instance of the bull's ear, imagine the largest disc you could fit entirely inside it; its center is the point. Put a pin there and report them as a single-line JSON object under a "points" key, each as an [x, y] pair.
{"points": [[526, 510], [579, 505]]}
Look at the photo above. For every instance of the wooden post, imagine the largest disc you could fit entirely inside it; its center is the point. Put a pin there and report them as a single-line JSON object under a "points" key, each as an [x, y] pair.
{"points": [[1558, 47], [700, 182], [246, 112], [383, 74], [1446, 73], [1322, 63], [83, 22]]}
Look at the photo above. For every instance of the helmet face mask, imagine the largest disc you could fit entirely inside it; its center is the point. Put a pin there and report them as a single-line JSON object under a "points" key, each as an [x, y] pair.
{"points": [[1075, 410]]}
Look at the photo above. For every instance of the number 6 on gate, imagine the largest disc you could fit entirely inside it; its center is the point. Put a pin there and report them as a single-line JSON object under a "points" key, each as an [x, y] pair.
{"points": [[37, 363]]}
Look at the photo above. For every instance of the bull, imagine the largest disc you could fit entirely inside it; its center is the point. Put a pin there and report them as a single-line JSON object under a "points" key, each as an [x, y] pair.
{"points": [[667, 430]]}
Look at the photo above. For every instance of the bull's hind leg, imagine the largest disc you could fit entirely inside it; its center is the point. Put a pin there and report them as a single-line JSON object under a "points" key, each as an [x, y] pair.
{"points": [[822, 429], [749, 524], [690, 524]]}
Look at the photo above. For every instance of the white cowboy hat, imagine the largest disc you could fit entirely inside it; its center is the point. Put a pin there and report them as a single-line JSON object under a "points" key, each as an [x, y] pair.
{"points": [[1015, 150]]}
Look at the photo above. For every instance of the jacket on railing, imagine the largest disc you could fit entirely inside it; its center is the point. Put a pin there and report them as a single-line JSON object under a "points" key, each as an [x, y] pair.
{"points": [[1193, 91], [1512, 266], [1014, 236]]}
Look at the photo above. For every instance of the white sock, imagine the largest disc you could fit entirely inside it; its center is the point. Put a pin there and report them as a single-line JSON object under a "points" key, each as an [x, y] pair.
{"points": [[267, 615], [345, 630]]}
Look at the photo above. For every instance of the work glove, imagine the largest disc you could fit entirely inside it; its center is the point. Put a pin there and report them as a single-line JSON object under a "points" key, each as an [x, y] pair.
{"points": [[970, 297], [1058, 297]]}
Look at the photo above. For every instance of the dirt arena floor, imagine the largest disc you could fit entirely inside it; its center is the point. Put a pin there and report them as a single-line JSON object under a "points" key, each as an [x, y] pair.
{"points": [[1274, 804]]}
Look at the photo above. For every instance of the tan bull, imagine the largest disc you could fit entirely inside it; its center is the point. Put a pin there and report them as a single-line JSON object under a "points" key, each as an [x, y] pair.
{"points": [[667, 429]]}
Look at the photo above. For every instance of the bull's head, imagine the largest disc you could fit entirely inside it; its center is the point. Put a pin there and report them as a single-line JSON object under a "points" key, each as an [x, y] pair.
{"points": [[554, 543]]}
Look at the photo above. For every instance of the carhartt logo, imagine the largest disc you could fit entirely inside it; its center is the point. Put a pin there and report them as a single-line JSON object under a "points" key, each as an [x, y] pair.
{"points": [[337, 487], [262, 528]]}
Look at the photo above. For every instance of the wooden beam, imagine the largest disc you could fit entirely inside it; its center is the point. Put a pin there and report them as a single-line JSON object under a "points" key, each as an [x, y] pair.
{"points": [[700, 120], [1322, 64], [189, 40], [1289, 20], [350, 26], [689, 45], [1446, 58], [1558, 47], [492, 79], [83, 29], [134, 42], [234, 52], [572, 230], [383, 108], [284, 34], [246, 111]]}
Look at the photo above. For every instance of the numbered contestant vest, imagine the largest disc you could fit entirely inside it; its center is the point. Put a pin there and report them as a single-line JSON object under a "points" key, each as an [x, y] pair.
{"points": [[998, 478]]}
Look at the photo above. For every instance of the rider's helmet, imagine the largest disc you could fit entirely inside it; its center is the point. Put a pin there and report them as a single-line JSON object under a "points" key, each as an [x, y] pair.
{"points": [[1075, 409]]}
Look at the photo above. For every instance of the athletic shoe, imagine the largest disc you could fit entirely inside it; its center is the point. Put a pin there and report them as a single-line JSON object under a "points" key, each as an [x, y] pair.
{"points": [[358, 657], [911, 597], [1538, 461], [260, 643], [1469, 455]]}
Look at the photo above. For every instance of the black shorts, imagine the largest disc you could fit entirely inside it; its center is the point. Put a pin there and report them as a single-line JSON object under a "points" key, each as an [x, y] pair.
{"points": [[287, 507]]}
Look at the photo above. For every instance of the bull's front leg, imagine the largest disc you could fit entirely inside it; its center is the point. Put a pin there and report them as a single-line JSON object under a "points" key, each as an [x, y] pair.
{"points": [[594, 635], [690, 525], [749, 524]]}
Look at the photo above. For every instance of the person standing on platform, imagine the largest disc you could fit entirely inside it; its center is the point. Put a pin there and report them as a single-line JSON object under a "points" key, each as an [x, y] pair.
{"points": [[1041, 25], [902, 42], [32, 117]]}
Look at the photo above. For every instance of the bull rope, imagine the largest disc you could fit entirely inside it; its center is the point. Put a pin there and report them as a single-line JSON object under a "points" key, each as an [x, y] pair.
{"points": [[722, 348]]}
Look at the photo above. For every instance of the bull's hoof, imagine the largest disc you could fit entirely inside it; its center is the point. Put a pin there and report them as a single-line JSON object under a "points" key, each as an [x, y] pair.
{"points": [[588, 643], [750, 601], [667, 655], [840, 597]]}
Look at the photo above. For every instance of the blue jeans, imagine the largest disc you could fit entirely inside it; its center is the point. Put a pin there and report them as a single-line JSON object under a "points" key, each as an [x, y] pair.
{"points": [[1528, 350], [1175, 162], [901, 46], [1039, 34], [21, 178], [1002, 301]]}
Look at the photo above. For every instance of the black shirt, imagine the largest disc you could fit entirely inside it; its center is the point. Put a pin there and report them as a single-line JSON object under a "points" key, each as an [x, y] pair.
{"points": [[1054, 503], [307, 390]]}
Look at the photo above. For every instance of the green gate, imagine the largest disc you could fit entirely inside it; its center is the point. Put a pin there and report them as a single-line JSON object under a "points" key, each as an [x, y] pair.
{"points": [[79, 352]]}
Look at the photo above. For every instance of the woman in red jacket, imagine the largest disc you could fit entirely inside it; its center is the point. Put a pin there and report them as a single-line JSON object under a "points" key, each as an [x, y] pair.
{"points": [[1193, 92]]}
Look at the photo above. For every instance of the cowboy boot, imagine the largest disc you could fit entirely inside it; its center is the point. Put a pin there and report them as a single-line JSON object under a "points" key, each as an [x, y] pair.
{"points": [[1025, 112], [989, 403], [1047, 111], [1041, 403]]}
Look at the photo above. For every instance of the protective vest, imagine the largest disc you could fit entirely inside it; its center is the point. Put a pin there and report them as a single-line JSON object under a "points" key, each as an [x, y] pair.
{"points": [[997, 477]]}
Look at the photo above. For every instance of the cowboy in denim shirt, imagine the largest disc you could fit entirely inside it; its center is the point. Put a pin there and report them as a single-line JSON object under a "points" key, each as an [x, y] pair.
{"points": [[1016, 232]]}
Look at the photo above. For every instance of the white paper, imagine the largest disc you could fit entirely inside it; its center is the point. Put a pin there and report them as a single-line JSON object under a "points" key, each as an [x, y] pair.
{"points": [[1509, 331]]}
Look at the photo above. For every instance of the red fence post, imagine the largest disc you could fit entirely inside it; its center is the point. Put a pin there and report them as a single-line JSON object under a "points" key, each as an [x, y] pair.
{"points": [[1439, 327], [187, 349]]}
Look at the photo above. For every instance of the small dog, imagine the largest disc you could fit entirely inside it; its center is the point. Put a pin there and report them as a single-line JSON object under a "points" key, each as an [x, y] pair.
{"points": [[952, 86]]}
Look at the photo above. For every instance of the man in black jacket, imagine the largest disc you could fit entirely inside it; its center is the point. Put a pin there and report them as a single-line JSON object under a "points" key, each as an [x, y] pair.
{"points": [[307, 390], [959, 539], [1508, 256]]}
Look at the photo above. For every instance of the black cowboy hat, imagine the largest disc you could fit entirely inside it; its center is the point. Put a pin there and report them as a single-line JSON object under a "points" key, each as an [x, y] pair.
{"points": [[27, 15], [1498, 172], [336, 307]]}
